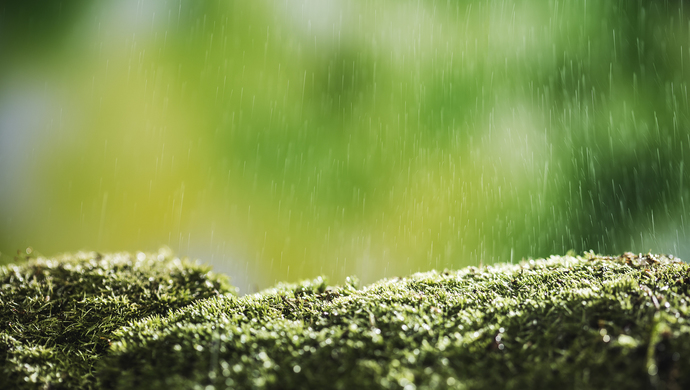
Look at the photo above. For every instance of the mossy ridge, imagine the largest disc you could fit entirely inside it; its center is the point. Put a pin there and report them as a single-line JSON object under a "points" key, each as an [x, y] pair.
{"points": [[57, 315], [573, 322]]}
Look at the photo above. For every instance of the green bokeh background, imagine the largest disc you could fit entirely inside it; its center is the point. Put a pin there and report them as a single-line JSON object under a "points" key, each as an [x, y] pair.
{"points": [[280, 140]]}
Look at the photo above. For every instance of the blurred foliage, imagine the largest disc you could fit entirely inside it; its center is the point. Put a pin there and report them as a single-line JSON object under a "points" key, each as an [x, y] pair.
{"points": [[286, 139]]}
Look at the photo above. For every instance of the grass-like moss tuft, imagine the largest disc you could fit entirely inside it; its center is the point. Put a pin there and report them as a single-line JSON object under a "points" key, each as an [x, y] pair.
{"points": [[565, 322], [58, 315]]}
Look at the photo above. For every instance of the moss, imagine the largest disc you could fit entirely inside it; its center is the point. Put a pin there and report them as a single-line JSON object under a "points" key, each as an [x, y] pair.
{"points": [[150, 321], [57, 316], [568, 322]]}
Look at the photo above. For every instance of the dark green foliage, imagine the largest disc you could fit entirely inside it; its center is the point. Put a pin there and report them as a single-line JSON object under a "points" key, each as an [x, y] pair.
{"points": [[57, 316], [566, 322]]}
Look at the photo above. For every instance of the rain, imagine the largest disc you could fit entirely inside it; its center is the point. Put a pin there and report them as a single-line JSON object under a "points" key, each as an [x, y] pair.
{"points": [[283, 140]]}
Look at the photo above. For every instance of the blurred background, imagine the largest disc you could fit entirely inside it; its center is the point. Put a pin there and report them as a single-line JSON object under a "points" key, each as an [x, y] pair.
{"points": [[281, 140]]}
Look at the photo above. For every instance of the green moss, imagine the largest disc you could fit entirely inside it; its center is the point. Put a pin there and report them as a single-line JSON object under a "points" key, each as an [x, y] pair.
{"points": [[568, 322], [57, 316], [151, 321]]}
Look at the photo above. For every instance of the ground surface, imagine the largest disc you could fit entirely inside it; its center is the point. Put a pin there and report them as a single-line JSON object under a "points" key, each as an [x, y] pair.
{"points": [[572, 322]]}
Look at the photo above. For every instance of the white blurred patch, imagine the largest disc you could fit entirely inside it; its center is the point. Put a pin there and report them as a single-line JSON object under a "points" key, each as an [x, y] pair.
{"points": [[115, 23], [24, 118]]}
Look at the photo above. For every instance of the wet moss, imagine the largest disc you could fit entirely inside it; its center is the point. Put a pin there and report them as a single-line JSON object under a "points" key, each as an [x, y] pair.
{"points": [[568, 322], [151, 321], [58, 315]]}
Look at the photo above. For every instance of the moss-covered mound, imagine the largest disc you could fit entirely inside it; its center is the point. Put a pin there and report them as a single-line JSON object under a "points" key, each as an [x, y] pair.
{"points": [[566, 322], [57, 316], [153, 322]]}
